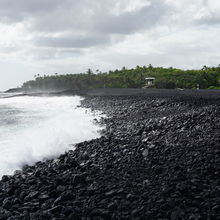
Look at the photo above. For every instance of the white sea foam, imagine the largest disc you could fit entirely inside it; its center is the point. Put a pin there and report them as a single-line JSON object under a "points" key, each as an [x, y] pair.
{"points": [[35, 128]]}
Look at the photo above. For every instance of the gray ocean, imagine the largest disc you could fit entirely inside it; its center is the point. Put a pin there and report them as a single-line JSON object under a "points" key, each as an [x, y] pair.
{"points": [[38, 128]]}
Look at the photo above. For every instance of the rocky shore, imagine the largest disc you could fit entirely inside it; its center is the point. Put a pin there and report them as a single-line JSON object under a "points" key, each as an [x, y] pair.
{"points": [[158, 158]]}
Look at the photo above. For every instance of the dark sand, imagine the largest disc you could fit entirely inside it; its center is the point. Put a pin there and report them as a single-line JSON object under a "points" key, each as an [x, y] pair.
{"points": [[158, 158]]}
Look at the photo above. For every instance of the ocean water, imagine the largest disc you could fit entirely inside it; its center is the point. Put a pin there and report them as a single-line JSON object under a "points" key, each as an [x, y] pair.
{"points": [[38, 128]]}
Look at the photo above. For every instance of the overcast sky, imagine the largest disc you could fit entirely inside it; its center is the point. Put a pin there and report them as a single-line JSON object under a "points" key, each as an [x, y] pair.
{"points": [[67, 36]]}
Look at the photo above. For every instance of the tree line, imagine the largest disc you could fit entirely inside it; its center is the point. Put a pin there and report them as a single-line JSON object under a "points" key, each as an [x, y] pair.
{"points": [[170, 78]]}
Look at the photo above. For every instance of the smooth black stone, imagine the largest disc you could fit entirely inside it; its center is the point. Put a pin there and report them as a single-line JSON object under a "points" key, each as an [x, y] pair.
{"points": [[55, 209], [65, 196], [5, 178], [78, 179], [6, 204]]}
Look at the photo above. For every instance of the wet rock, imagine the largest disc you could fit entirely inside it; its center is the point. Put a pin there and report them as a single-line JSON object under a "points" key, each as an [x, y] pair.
{"points": [[79, 179], [85, 156], [61, 188], [55, 209], [74, 216], [65, 196], [6, 204], [145, 153], [43, 196], [110, 193], [216, 208], [31, 195], [70, 162], [100, 213], [5, 178], [112, 206]]}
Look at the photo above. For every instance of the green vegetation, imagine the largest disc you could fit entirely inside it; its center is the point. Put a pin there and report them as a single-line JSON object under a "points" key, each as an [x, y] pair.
{"points": [[170, 78], [214, 87]]}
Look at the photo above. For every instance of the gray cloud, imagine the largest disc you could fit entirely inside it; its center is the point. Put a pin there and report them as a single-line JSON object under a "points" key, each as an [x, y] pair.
{"points": [[84, 15], [130, 22], [71, 42], [81, 24], [70, 35], [12, 11], [211, 13], [55, 53], [210, 20]]}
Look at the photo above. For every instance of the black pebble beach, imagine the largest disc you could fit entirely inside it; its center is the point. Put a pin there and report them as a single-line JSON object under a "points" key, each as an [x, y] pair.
{"points": [[158, 158]]}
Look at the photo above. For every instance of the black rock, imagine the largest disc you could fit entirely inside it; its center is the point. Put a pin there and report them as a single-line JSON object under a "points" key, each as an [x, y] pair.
{"points": [[79, 179], [157, 158], [55, 209], [100, 213], [5, 178], [6, 204], [65, 196], [112, 206]]}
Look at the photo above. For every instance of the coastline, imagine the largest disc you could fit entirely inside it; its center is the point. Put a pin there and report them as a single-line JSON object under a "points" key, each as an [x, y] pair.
{"points": [[210, 93], [158, 158]]}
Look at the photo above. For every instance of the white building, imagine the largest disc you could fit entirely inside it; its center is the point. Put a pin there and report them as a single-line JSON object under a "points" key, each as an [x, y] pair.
{"points": [[149, 81]]}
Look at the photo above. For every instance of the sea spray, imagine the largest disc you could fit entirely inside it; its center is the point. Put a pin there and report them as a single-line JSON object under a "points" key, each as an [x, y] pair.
{"points": [[35, 128]]}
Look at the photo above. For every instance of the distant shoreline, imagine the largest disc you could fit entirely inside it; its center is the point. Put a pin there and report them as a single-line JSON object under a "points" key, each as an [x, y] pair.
{"points": [[121, 92]]}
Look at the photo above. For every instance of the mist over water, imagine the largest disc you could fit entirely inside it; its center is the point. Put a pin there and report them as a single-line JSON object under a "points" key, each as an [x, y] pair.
{"points": [[36, 128]]}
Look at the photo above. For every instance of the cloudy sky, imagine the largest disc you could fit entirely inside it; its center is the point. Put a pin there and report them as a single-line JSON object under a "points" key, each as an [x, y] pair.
{"points": [[69, 36]]}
